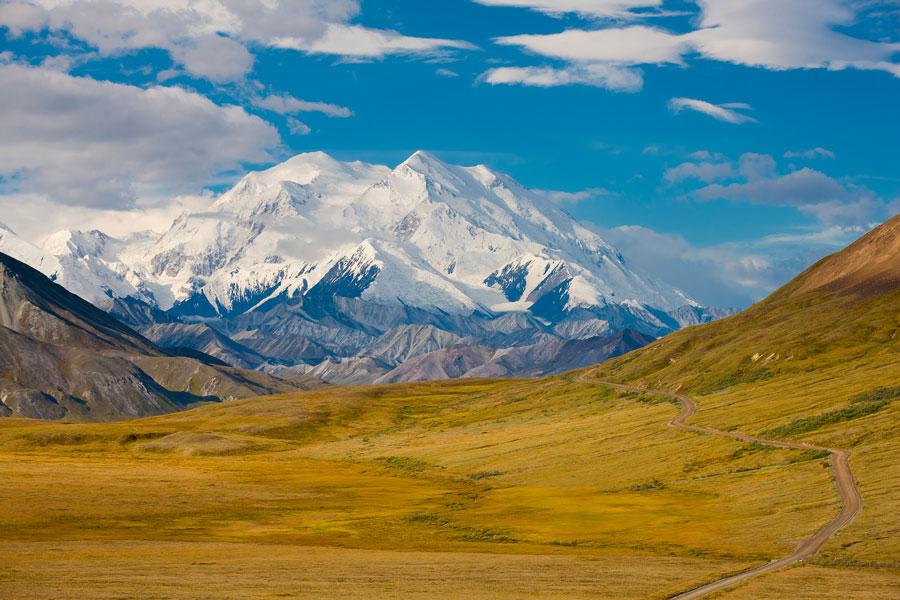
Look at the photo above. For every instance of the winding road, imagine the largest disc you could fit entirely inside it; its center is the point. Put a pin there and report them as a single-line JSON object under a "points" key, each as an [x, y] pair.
{"points": [[840, 468]]}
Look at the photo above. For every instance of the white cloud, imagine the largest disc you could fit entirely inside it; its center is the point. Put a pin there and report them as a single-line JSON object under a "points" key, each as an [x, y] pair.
{"points": [[593, 8], [860, 211], [706, 155], [753, 166], [754, 178], [811, 154], [811, 192], [214, 57], [787, 35], [34, 216], [558, 197], [89, 143], [704, 171], [362, 42], [721, 112], [771, 34], [805, 187], [447, 73], [210, 38], [298, 127], [622, 79], [284, 104], [626, 46]]}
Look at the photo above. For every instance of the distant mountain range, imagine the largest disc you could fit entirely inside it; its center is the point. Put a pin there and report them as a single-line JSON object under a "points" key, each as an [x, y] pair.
{"points": [[349, 270], [61, 357]]}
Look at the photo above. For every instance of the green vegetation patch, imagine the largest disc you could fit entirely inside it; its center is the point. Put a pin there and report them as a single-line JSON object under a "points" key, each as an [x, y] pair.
{"points": [[861, 405], [647, 486], [646, 398], [737, 378], [405, 464], [482, 534], [484, 474]]}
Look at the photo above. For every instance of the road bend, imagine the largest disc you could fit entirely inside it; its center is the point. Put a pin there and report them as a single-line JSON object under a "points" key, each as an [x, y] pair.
{"points": [[840, 468]]}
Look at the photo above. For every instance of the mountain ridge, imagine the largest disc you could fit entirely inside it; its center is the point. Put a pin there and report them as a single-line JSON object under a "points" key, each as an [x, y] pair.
{"points": [[62, 357], [315, 259]]}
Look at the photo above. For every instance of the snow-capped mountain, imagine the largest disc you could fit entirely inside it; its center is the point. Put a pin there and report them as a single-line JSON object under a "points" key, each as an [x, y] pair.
{"points": [[87, 263], [425, 234], [430, 243]]}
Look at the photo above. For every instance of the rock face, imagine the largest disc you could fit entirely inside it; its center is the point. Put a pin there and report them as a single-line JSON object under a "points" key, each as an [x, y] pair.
{"points": [[61, 357], [320, 260]]}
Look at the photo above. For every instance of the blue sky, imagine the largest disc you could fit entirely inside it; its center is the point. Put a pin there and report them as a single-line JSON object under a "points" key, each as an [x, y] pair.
{"points": [[723, 145]]}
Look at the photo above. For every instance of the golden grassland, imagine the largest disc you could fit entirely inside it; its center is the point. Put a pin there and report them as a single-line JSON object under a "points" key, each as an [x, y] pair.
{"points": [[464, 485], [764, 383], [813, 582], [482, 488], [204, 570]]}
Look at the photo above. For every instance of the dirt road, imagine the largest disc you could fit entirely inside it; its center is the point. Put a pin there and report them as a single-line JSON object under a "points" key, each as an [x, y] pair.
{"points": [[840, 468]]}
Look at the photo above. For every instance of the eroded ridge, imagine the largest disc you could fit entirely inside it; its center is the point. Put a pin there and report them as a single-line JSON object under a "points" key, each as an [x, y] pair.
{"points": [[840, 468]]}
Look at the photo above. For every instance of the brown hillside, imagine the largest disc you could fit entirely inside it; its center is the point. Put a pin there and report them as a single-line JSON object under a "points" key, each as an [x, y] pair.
{"points": [[869, 266]]}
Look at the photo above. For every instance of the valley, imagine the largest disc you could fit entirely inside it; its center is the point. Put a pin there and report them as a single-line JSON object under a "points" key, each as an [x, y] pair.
{"points": [[624, 490], [458, 300]]}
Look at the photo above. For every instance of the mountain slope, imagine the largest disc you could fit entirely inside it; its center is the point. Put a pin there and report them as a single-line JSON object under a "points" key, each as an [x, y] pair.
{"points": [[839, 308], [46, 381], [817, 363], [61, 357], [36, 307]]}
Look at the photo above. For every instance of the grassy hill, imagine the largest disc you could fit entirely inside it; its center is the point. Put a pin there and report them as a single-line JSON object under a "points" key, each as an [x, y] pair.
{"points": [[547, 488]]}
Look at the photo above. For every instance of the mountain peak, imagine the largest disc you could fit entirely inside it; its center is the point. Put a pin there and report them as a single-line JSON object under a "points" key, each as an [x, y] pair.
{"points": [[868, 266], [423, 156], [426, 163]]}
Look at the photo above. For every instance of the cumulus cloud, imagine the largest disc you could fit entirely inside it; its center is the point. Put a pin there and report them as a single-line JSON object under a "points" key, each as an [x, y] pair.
{"points": [[703, 171], [214, 57], [755, 178], [771, 34], [210, 39], [811, 154], [611, 77], [721, 112], [805, 187], [90, 143], [810, 191]]}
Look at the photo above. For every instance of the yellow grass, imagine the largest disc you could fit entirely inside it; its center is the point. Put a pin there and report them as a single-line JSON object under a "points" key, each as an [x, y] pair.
{"points": [[501, 473], [216, 571], [819, 583]]}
